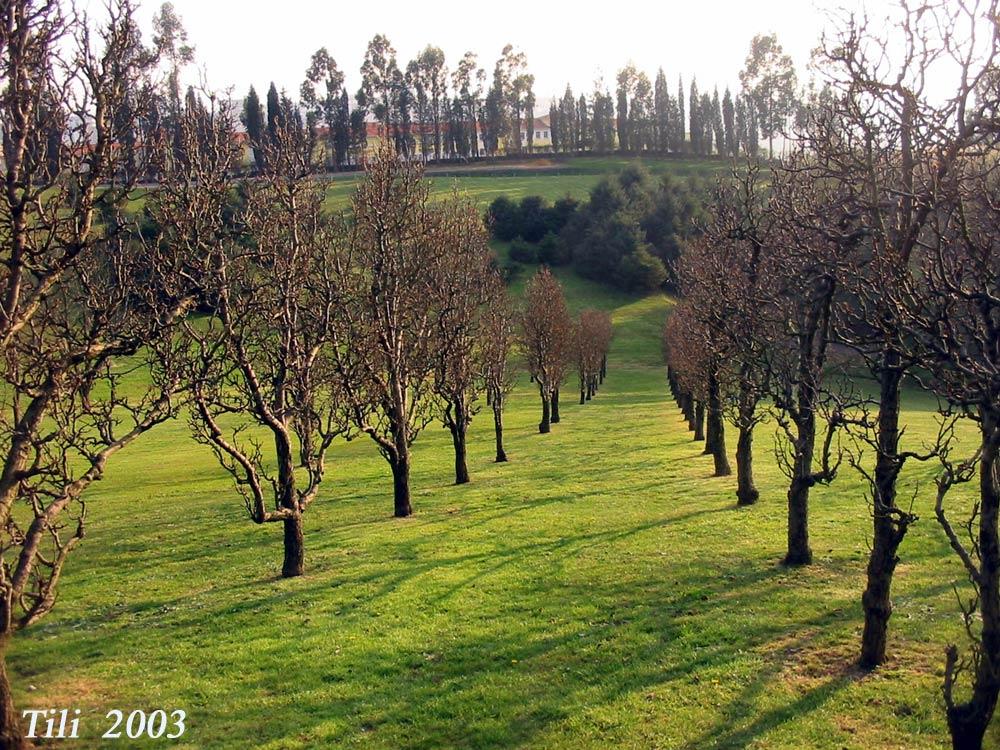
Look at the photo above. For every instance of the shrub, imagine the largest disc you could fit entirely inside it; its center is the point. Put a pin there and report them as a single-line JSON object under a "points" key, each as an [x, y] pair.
{"points": [[504, 218], [553, 251], [641, 271], [523, 252], [534, 218]]}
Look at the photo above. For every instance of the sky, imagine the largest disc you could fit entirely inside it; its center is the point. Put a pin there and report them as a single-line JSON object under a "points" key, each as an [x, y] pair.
{"points": [[243, 42]]}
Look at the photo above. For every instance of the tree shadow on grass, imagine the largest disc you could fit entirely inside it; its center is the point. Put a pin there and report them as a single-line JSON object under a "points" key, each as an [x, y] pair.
{"points": [[498, 681]]}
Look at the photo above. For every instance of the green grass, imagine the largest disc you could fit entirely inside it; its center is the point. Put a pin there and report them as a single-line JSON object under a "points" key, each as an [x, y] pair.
{"points": [[551, 179], [600, 590]]}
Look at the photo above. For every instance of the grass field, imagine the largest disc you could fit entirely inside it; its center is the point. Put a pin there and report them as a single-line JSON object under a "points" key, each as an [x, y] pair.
{"points": [[601, 590], [554, 179]]}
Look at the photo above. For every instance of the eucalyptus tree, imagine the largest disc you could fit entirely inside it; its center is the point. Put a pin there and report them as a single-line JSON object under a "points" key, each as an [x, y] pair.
{"points": [[325, 104], [768, 79]]}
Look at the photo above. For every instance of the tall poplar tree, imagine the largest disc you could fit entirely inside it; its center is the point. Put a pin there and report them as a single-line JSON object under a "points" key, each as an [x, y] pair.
{"points": [[729, 125], [681, 115], [661, 107]]}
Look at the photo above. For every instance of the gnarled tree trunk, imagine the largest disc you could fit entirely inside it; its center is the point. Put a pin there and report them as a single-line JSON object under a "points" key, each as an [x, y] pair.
{"points": [[294, 560], [11, 737], [545, 425], [401, 484], [799, 552], [555, 406], [717, 429], [461, 465], [293, 563], [889, 522], [746, 489], [968, 721]]}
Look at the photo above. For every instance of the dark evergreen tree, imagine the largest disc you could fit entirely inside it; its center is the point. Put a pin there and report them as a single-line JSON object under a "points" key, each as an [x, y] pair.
{"points": [[694, 119], [731, 140], [623, 143], [662, 114], [554, 127], [705, 115], [253, 121], [274, 114], [681, 116], [626, 83], [359, 130], [583, 117], [402, 103], [718, 129], [641, 113], [567, 120], [341, 135]]}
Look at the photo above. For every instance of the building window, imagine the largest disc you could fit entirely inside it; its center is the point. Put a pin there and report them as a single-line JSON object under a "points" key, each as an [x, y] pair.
{"points": [[546, 134]]}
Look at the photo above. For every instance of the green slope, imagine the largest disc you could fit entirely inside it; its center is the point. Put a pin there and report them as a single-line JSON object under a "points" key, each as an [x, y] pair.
{"points": [[601, 590]]}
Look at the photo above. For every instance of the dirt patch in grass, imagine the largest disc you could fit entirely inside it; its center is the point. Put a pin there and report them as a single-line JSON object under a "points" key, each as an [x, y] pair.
{"points": [[72, 692]]}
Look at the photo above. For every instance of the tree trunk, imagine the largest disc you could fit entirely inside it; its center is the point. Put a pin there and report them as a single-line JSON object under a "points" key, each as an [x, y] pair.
{"points": [[719, 457], [686, 405], [544, 425], [746, 490], [968, 721], [458, 439], [799, 552], [584, 387], [699, 420], [401, 484], [717, 429], [889, 524], [604, 368], [711, 434], [11, 737], [555, 406], [294, 562], [498, 430], [294, 557]]}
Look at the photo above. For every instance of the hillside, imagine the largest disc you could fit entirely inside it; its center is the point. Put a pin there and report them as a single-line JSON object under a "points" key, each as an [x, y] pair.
{"points": [[598, 591], [551, 179]]}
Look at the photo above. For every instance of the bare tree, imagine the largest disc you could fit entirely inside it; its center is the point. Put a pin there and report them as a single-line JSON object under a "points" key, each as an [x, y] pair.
{"points": [[887, 144], [466, 276], [953, 312], [686, 355], [734, 295], [80, 327], [806, 262], [384, 350], [259, 361], [498, 338], [546, 339], [591, 337]]}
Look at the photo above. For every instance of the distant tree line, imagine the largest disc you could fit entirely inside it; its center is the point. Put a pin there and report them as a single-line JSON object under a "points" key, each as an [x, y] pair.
{"points": [[429, 111]]}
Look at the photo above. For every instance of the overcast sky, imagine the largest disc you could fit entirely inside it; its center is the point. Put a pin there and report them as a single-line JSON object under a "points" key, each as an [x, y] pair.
{"points": [[246, 42]]}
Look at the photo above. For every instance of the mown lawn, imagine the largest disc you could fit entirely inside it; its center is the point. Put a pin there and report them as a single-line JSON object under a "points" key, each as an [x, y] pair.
{"points": [[551, 178], [601, 590]]}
